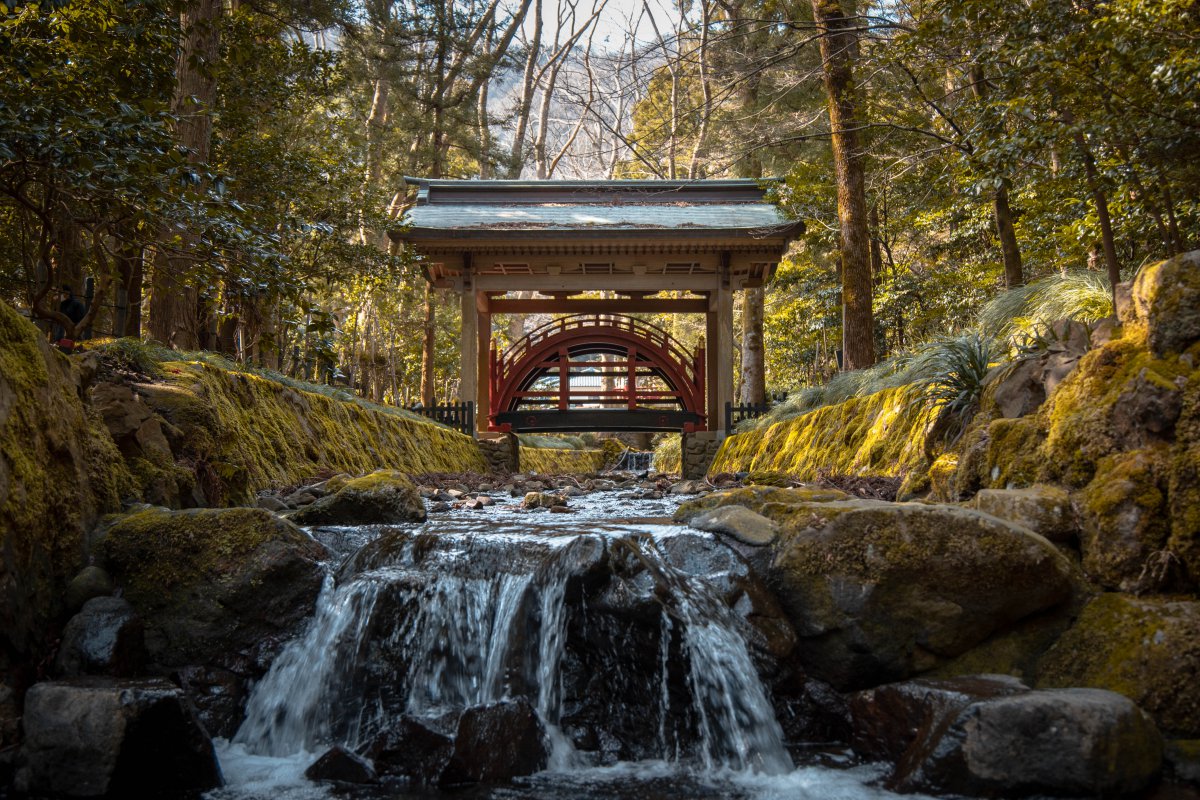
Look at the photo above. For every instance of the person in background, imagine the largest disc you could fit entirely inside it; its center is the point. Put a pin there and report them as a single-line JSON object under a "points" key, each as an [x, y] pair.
{"points": [[75, 310]]}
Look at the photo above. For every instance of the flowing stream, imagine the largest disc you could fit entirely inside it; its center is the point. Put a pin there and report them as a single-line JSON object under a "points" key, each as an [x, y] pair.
{"points": [[631, 640]]}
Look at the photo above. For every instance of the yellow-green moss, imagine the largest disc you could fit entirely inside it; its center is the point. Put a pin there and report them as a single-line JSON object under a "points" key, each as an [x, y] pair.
{"points": [[879, 434], [59, 470], [941, 477], [668, 454], [254, 433], [552, 461], [1146, 649]]}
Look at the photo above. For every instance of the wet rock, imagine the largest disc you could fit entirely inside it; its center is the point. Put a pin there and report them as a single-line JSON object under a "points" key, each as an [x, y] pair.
{"points": [[1146, 648], [119, 739], [209, 583], [543, 500], [340, 765], [689, 487], [496, 742], [105, 638], [271, 503], [990, 736], [439, 507], [739, 522], [812, 712], [92, 581], [573, 491], [218, 696], [1045, 510], [881, 591], [384, 497], [299, 499], [412, 749], [1085, 742], [755, 498], [899, 722]]}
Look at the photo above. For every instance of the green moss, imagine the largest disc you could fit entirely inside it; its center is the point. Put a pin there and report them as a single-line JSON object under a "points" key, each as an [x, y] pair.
{"points": [[547, 461], [941, 477], [668, 454], [879, 434]]}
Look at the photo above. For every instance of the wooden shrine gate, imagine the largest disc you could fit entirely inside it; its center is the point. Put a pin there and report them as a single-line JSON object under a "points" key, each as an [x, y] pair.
{"points": [[594, 253], [555, 379]]}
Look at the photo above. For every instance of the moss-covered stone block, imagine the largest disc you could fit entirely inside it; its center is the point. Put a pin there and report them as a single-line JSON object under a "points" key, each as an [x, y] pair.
{"points": [[1148, 649], [1045, 510], [1166, 302], [210, 583], [941, 478]]}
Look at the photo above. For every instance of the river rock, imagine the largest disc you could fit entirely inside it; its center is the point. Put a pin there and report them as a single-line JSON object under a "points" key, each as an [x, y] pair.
{"points": [[1146, 648], [1045, 510], [340, 765], [689, 487], [881, 591], [210, 583], [739, 522], [92, 581], [271, 503], [97, 737], [218, 697], [496, 742], [384, 497], [105, 638], [543, 500], [414, 749]]}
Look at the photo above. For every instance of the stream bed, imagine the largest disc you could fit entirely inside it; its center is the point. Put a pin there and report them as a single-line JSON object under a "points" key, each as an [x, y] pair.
{"points": [[637, 644]]}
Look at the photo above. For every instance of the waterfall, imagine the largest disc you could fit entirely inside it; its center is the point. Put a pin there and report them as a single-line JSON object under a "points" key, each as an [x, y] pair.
{"points": [[624, 648]]}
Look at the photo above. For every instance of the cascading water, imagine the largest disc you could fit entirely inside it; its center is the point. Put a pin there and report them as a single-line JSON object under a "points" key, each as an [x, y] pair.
{"points": [[629, 644]]}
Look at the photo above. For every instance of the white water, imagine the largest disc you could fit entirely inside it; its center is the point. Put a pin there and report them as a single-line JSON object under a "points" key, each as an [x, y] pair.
{"points": [[475, 634]]}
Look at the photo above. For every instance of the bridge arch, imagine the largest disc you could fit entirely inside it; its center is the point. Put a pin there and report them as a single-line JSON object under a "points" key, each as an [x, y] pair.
{"points": [[557, 378]]}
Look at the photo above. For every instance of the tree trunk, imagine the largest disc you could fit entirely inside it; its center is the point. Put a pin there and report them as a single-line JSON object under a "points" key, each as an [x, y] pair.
{"points": [[175, 317], [429, 331], [839, 42], [1014, 274], [1100, 198], [754, 376]]}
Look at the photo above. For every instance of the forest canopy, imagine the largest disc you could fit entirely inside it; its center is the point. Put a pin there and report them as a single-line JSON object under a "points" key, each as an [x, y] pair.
{"points": [[221, 174]]}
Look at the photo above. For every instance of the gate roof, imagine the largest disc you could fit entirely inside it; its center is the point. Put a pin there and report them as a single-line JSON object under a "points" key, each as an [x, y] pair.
{"points": [[640, 228]]}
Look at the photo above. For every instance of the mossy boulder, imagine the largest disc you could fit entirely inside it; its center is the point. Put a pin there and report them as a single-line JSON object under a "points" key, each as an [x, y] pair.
{"points": [[59, 471], [1148, 649], [1166, 302], [383, 497], [882, 591], [755, 498], [211, 584], [1125, 524], [1045, 510]]}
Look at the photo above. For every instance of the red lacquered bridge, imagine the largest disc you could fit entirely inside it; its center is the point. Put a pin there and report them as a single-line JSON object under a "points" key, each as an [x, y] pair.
{"points": [[596, 372]]}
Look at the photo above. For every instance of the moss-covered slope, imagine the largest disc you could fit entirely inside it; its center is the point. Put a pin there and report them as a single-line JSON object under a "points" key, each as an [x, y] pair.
{"points": [[59, 471], [237, 433], [555, 461], [880, 434]]}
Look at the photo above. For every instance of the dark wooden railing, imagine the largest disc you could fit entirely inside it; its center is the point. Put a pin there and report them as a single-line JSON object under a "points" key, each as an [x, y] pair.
{"points": [[460, 416], [743, 411]]}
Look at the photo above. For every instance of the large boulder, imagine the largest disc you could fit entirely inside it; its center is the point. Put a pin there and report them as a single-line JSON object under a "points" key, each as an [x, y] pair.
{"points": [[990, 736], [1166, 301], [881, 591], [416, 750], [384, 497], [104, 738], [1148, 649], [105, 638], [210, 583]]}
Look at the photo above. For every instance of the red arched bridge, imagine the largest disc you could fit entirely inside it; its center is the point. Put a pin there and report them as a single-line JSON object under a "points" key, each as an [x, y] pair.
{"points": [[596, 372]]}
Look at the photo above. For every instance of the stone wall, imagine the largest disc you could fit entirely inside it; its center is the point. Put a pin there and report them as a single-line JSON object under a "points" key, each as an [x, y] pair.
{"points": [[698, 451]]}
